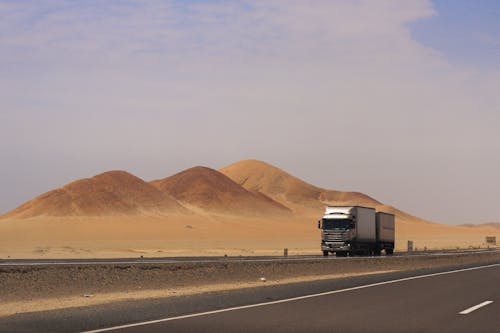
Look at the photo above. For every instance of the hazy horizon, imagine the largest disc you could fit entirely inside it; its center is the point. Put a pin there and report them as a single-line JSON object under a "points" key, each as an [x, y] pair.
{"points": [[395, 99]]}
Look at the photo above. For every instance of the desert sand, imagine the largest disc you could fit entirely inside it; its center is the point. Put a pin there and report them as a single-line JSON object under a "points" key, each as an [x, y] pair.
{"points": [[247, 208]]}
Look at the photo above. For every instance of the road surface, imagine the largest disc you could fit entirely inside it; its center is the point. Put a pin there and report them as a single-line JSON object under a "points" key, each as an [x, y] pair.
{"points": [[205, 259], [429, 300], [460, 301]]}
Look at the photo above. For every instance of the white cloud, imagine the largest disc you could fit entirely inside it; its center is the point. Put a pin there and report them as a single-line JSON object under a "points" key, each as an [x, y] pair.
{"points": [[302, 84]]}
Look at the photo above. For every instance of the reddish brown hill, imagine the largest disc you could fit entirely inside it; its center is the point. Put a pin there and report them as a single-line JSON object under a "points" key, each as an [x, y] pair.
{"points": [[250, 188], [288, 190], [110, 193], [212, 191]]}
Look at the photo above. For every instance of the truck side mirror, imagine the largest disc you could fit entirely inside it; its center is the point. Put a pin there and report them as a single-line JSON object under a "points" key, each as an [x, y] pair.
{"points": [[319, 224]]}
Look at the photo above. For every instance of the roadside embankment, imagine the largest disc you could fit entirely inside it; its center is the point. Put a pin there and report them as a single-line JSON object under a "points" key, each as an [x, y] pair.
{"points": [[37, 288]]}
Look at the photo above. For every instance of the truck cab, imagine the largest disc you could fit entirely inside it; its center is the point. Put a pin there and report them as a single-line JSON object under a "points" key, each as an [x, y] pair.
{"points": [[338, 230]]}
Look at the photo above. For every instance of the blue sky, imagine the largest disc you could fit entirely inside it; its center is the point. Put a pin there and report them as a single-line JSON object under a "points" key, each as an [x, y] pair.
{"points": [[396, 99], [468, 32]]}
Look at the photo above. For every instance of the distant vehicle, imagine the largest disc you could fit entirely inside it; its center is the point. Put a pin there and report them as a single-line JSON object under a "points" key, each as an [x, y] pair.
{"points": [[356, 230]]}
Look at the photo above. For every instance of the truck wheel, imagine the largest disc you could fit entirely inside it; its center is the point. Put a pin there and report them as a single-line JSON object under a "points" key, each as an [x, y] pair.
{"points": [[376, 252], [389, 251], [325, 253]]}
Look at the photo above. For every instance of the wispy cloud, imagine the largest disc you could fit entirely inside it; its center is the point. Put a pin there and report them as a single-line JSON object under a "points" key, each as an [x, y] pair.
{"points": [[212, 28], [102, 84]]}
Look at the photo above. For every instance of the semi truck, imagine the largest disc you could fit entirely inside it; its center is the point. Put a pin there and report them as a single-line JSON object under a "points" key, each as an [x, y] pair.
{"points": [[356, 230]]}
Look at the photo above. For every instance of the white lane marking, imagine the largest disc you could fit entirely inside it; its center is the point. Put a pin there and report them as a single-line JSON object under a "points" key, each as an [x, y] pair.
{"points": [[475, 307], [286, 300]]}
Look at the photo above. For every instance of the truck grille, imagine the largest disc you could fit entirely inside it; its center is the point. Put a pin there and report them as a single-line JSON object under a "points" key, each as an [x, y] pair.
{"points": [[335, 236]]}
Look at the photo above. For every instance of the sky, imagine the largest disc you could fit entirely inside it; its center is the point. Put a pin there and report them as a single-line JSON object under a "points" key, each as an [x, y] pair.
{"points": [[397, 99]]}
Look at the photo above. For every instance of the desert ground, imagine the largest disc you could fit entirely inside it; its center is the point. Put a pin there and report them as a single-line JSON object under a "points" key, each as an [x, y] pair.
{"points": [[248, 208], [180, 236]]}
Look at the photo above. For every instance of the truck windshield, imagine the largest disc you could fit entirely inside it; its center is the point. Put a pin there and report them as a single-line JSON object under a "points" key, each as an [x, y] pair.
{"points": [[337, 224]]}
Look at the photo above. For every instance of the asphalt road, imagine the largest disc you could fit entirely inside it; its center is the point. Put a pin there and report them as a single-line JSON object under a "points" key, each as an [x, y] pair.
{"points": [[356, 304], [427, 304], [167, 260]]}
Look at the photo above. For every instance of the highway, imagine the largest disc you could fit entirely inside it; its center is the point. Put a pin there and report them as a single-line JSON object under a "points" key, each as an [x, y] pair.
{"points": [[209, 259], [466, 300], [462, 298]]}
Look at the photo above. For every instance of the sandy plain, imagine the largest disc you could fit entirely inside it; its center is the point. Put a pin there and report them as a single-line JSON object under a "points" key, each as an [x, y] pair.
{"points": [[122, 237]]}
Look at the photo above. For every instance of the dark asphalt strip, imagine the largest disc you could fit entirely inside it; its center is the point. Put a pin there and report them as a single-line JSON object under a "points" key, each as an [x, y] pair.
{"points": [[119, 313], [429, 304], [166, 260]]}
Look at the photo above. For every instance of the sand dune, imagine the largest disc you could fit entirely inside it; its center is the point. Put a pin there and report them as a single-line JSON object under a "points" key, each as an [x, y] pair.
{"points": [[248, 208], [246, 188], [289, 190], [211, 191], [109, 193], [303, 198], [488, 224]]}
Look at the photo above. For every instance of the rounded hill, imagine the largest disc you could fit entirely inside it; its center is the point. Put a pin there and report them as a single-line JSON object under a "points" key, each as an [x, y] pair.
{"points": [[275, 183], [109, 193], [212, 191]]}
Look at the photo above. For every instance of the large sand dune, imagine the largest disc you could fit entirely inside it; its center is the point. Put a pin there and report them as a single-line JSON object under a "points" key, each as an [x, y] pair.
{"points": [[290, 191], [110, 193], [303, 198], [211, 191], [247, 208]]}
